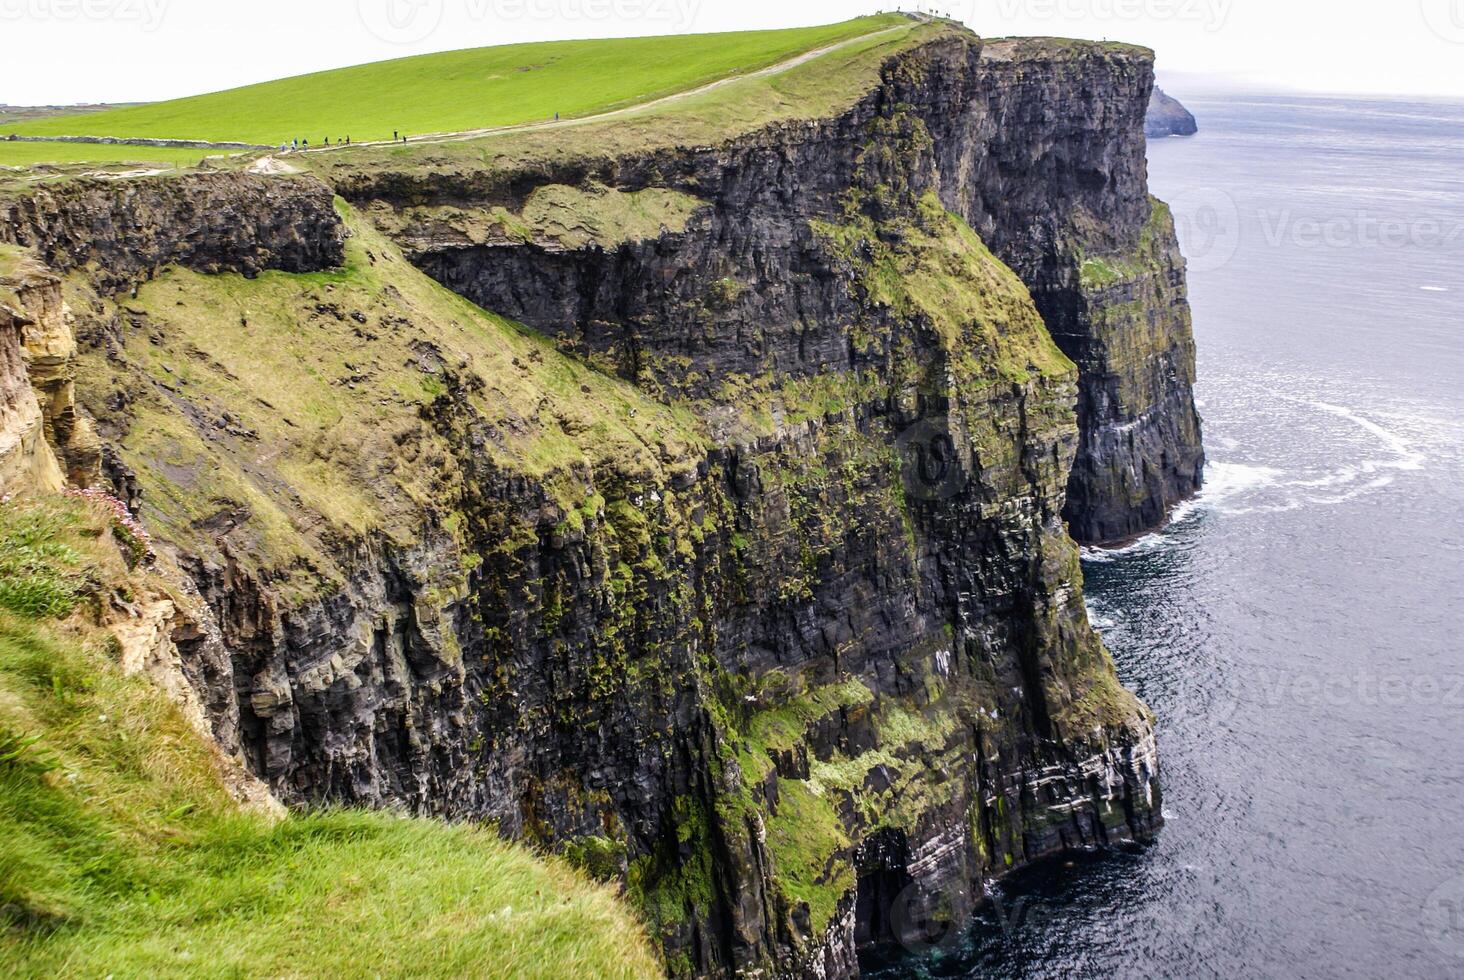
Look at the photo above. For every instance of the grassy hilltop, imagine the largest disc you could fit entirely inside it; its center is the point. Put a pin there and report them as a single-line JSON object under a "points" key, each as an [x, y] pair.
{"points": [[459, 90]]}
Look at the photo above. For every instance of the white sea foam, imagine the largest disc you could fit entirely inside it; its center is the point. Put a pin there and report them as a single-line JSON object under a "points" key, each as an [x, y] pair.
{"points": [[1345, 482], [1407, 457], [1148, 542], [1234, 488], [1434, 289], [1099, 615]]}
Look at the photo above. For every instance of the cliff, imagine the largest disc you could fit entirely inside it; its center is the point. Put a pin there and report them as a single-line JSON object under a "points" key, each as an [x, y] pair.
{"points": [[1166, 116], [1103, 264], [131, 847], [27, 461], [740, 573]]}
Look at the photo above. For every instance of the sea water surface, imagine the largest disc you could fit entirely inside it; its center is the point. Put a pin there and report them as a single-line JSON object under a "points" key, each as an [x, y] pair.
{"points": [[1299, 629]]}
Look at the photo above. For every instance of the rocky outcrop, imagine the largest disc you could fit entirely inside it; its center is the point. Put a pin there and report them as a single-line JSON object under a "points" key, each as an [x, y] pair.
{"points": [[26, 460], [232, 222], [1128, 323], [147, 628], [802, 825], [1166, 116], [49, 353], [1038, 145], [804, 660]]}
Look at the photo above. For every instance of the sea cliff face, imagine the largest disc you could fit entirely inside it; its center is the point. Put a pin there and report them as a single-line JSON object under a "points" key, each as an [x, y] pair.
{"points": [[1104, 267], [742, 578]]}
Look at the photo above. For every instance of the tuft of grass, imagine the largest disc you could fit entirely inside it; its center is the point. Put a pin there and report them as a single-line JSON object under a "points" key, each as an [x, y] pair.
{"points": [[39, 566], [808, 841], [460, 90], [121, 853]]}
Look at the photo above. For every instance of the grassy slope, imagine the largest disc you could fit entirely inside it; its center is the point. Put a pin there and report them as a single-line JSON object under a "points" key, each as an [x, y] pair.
{"points": [[460, 90], [122, 854], [817, 89], [17, 154], [12, 114], [328, 375]]}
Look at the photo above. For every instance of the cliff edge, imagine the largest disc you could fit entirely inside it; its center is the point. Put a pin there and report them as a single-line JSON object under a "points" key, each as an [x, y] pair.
{"points": [[688, 495]]}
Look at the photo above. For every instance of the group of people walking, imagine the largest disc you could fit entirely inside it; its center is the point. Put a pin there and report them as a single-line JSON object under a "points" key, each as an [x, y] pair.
{"points": [[299, 144], [304, 144]]}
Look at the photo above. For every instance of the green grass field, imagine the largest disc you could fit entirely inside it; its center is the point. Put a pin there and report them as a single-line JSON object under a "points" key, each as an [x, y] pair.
{"points": [[815, 89], [121, 853], [461, 90], [11, 115], [17, 154]]}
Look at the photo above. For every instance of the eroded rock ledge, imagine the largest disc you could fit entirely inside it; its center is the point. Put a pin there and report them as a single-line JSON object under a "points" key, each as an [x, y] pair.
{"points": [[751, 586]]}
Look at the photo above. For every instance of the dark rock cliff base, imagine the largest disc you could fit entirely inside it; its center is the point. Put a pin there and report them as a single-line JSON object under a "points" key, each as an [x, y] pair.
{"points": [[751, 587]]}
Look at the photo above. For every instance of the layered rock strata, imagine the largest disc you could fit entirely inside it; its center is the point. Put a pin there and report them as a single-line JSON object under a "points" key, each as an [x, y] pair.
{"points": [[743, 576]]}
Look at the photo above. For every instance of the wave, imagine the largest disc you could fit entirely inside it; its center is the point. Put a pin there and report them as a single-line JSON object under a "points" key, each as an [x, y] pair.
{"points": [[1234, 488], [1335, 486]]}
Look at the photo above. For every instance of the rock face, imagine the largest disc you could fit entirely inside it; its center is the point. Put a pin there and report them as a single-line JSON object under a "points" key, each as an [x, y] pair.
{"points": [[27, 462], [1103, 264], [210, 222], [803, 659], [49, 353], [1127, 323], [1167, 117]]}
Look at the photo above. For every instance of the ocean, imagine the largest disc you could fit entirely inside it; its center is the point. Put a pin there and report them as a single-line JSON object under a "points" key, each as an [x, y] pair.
{"points": [[1298, 628]]}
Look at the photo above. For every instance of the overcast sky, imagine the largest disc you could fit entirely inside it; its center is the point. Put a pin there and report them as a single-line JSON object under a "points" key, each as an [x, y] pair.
{"points": [[64, 51]]}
